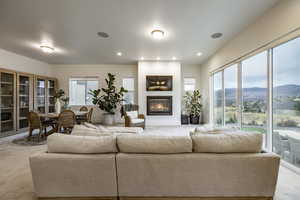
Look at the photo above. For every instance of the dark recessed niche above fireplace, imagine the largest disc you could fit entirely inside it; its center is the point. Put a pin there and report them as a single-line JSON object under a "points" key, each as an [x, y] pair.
{"points": [[159, 83], [159, 105]]}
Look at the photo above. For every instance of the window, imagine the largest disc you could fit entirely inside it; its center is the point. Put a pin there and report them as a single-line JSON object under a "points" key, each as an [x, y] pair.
{"points": [[79, 90], [230, 87], [244, 93], [218, 99], [254, 93], [286, 101], [128, 84], [189, 84]]}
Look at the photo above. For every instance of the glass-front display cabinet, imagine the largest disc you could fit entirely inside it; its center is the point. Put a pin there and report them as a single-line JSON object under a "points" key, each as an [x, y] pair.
{"points": [[7, 103], [24, 99], [40, 95], [45, 88], [51, 85], [20, 93]]}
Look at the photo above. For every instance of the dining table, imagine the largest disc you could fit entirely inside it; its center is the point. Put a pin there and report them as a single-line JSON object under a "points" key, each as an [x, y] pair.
{"points": [[52, 119], [55, 115]]}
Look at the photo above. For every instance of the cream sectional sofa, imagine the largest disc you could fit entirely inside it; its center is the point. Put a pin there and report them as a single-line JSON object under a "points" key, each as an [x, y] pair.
{"points": [[145, 166]]}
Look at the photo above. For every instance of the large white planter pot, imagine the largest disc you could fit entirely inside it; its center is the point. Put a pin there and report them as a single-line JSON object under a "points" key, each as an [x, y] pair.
{"points": [[108, 119], [57, 106]]}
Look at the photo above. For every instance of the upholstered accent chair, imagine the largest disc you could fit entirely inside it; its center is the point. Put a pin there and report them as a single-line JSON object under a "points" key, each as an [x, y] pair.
{"points": [[132, 117]]}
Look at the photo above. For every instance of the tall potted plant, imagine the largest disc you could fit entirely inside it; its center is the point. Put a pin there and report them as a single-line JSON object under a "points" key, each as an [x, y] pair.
{"points": [[108, 99], [192, 102]]}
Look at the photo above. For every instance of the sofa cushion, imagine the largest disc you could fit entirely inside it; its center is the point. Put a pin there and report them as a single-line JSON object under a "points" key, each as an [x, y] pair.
{"points": [[228, 143], [120, 129], [154, 144], [136, 121], [132, 114], [85, 131], [89, 125], [207, 129], [61, 143]]}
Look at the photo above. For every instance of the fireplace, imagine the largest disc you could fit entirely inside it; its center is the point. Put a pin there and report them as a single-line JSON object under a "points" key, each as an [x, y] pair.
{"points": [[159, 105]]}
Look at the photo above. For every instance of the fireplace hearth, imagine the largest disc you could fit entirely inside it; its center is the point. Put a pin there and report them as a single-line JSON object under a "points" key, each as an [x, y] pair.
{"points": [[159, 105]]}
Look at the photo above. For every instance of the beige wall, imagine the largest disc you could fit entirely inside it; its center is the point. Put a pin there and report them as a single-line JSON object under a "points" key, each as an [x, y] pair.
{"points": [[64, 72], [191, 71], [277, 22], [12, 61]]}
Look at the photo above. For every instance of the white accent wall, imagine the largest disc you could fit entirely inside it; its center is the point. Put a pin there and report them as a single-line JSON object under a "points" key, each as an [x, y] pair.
{"points": [[165, 69]]}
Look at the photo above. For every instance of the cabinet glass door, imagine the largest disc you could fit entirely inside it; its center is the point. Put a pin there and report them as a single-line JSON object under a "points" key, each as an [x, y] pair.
{"points": [[24, 100], [41, 95], [51, 93], [7, 102]]}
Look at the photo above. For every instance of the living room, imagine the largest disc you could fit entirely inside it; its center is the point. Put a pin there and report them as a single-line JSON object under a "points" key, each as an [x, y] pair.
{"points": [[163, 99]]}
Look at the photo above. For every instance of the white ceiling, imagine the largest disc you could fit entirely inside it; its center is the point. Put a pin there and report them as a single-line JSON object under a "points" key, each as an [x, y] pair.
{"points": [[72, 26]]}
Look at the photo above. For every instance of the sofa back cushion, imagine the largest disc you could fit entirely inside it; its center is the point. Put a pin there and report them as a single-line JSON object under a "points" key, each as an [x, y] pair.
{"points": [[207, 129], [61, 143], [154, 144], [228, 143], [88, 131]]}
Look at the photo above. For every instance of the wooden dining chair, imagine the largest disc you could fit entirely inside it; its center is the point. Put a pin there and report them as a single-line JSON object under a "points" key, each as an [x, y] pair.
{"points": [[89, 115], [66, 121], [83, 108], [82, 118], [35, 122]]}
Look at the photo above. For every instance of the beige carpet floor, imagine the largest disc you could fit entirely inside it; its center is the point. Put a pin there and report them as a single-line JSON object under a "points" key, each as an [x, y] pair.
{"points": [[16, 182]]}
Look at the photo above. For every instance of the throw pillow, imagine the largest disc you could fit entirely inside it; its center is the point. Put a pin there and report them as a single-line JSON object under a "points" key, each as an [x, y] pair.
{"points": [[132, 114]]}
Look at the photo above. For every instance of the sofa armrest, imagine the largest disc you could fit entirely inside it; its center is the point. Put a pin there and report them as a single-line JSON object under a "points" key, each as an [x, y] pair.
{"points": [[74, 175], [127, 121], [141, 116]]}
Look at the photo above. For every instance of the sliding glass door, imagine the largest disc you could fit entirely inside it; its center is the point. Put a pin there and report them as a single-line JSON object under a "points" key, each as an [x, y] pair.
{"points": [[231, 95], [218, 99], [244, 92], [286, 101], [254, 93]]}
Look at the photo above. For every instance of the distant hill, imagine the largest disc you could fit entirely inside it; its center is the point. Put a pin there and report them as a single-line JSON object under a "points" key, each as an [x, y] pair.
{"points": [[261, 93], [284, 95], [287, 90]]}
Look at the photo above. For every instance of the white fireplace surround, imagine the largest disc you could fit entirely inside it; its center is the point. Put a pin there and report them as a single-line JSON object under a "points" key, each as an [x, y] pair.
{"points": [[146, 68]]}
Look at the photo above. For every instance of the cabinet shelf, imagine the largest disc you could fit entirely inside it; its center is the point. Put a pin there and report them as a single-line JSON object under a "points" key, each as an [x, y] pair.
{"points": [[6, 121], [6, 95], [7, 83], [6, 108]]}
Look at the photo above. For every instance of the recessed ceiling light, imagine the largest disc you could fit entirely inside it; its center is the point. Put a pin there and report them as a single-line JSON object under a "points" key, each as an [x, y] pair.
{"points": [[157, 58], [142, 58], [216, 35], [47, 49], [199, 54], [174, 58], [157, 34], [103, 34], [119, 54]]}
